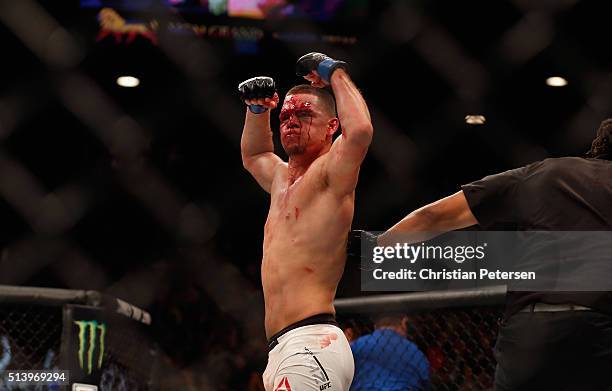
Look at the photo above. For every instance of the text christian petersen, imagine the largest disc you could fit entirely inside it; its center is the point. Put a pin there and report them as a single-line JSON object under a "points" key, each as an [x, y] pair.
{"points": [[410, 254]]}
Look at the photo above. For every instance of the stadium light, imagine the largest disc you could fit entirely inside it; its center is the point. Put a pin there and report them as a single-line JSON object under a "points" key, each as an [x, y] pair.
{"points": [[475, 119], [556, 81], [128, 81]]}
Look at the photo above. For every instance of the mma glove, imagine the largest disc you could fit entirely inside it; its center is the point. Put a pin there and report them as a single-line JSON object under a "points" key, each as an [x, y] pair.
{"points": [[319, 62], [260, 87], [360, 247]]}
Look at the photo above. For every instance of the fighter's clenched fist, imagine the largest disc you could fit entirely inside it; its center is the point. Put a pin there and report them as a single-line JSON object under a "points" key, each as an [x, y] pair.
{"points": [[259, 94], [318, 68]]}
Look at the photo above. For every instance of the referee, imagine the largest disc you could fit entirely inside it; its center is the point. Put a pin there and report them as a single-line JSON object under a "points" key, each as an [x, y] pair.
{"points": [[547, 340]]}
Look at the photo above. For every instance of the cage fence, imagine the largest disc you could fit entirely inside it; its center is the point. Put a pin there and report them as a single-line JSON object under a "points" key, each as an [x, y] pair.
{"points": [[446, 342], [98, 339]]}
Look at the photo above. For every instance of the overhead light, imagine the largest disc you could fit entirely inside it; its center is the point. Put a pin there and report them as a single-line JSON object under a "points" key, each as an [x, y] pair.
{"points": [[128, 81], [556, 81], [475, 119]]}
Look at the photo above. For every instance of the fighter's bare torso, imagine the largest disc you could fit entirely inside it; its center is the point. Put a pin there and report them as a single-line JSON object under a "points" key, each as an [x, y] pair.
{"points": [[304, 245]]}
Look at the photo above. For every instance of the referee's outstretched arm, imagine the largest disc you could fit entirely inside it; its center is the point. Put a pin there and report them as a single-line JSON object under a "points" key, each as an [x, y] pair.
{"points": [[447, 214]]}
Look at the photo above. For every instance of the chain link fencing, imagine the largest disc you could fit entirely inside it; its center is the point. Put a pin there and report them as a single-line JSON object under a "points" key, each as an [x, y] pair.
{"points": [[98, 339], [398, 343], [30, 336]]}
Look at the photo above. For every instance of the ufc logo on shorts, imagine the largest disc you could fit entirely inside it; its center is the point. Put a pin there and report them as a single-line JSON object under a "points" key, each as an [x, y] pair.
{"points": [[283, 385], [325, 386]]}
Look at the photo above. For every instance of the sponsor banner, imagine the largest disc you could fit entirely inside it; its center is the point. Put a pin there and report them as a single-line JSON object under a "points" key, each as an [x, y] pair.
{"points": [[312, 10], [87, 350], [119, 27]]}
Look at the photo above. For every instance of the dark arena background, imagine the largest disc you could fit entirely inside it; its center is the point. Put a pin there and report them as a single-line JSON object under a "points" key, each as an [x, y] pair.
{"points": [[139, 194]]}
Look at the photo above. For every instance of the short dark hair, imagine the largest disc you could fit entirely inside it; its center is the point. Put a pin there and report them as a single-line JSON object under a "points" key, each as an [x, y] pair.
{"points": [[325, 96], [602, 144], [389, 320]]}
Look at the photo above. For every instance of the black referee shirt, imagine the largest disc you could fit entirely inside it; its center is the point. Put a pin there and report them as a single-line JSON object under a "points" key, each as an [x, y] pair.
{"points": [[564, 194]]}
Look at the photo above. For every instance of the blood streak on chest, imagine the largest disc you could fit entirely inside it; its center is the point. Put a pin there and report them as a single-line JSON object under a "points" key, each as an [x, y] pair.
{"points": [[296, 214], [285, 199]]}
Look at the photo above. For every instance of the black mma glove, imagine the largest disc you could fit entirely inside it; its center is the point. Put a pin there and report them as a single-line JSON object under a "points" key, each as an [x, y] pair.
{"points": [[260, 87], [325, 66]]}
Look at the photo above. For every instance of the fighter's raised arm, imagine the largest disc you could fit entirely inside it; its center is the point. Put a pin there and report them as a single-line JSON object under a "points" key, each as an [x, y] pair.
{"points": [[257, 147], [349, 150]]}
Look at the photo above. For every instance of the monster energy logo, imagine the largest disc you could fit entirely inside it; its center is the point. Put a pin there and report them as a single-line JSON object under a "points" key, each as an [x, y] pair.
{"points": [[88, 331]]}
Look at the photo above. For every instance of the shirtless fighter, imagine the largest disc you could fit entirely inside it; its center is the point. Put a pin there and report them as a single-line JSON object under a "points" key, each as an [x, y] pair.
{"points": [[311, 209]]}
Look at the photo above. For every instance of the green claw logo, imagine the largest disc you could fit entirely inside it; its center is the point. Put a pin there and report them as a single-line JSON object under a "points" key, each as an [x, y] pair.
{"points": [[88, 331]]}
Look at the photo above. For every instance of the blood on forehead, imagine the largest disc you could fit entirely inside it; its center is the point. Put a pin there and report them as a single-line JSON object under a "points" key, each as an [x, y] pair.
{"points": [[294, 103]]}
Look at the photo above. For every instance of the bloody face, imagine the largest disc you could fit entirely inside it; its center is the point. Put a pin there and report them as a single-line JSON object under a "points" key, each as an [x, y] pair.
{"points": [[303, 125]]}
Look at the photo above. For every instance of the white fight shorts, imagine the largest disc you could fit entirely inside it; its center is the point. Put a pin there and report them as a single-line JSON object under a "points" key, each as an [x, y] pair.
{"points": [[315, 357]]}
